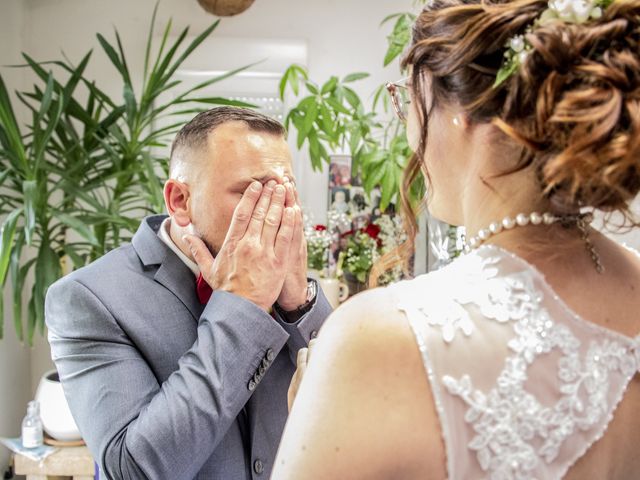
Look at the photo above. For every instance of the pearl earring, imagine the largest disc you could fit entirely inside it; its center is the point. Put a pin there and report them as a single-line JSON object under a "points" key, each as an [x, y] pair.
{"points": [[456, 121]]}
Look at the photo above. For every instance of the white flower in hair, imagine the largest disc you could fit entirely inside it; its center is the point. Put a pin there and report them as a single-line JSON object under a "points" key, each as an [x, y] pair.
{"points": [[567, 11], [571, 11]]}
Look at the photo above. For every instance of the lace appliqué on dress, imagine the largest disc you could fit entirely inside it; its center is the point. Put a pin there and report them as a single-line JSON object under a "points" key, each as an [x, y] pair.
{"points": [[514, 431], [472, 280]]}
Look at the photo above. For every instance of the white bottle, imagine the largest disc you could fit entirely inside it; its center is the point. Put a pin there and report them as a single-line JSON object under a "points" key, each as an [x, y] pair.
{"points": [[32, 426]]}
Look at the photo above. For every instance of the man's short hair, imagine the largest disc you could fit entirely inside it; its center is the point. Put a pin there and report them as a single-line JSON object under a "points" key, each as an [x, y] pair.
{"points": [[194, 134]]}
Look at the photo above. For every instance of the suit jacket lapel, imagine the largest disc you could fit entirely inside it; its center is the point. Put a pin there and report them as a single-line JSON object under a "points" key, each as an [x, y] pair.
{"points": [[177, 277], [172, 273]]}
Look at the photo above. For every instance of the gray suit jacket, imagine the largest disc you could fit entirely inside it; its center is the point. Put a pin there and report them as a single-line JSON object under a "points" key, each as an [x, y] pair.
{"points": [[161, 386]]}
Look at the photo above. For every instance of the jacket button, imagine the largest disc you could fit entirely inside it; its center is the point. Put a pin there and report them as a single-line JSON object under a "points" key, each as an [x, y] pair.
{"points": [[314, 333], [252, 385], [265, 363], [270, 355], [258, 466]]}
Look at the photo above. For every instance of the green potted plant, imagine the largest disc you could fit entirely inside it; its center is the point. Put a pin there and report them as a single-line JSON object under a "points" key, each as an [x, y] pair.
{"points": [[76, 179]]}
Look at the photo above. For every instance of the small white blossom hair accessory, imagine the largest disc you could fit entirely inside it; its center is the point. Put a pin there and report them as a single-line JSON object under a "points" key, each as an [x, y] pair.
{"points": [[568, 11]]}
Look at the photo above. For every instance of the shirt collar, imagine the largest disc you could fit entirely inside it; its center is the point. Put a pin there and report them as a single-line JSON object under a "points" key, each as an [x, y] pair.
{"points": [[163, 233]]}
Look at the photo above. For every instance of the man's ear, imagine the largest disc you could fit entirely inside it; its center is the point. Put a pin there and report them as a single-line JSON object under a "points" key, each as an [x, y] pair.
{"points": [[177, 199]]}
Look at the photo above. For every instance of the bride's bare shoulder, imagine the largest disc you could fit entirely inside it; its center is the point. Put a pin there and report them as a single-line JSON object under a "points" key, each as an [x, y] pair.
{"points": [[364, 392], [368, 316]]}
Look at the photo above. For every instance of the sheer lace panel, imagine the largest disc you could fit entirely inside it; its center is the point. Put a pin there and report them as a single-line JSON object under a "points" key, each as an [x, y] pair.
{"points": [[523, 386]]}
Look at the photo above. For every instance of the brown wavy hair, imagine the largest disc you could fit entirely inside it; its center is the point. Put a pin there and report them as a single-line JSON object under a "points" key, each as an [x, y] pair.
{"points": [[573, 106]]}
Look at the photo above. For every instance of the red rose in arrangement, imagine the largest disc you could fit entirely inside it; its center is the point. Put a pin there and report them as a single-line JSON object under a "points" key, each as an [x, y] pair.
{"points": [[372, 230]]}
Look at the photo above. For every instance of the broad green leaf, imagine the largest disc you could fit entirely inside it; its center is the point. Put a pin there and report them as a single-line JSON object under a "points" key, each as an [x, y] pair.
{"points": [[31, 316], [282, 86], [1, 313], [47, 97], [381, 92], [337, 106], [330, 85], [153, 184], [77, 260], [47, 271], [123, 59], [4, 175], [78, 226], [505, 72], [147, 51], [293, 75], [18, 275], [113, 56], [327, 122], [309, 118], [130, 102], [10, 129], [6, 235], [390, 17], [191, 47], [312, 88], [30, 191], [393, 52], [352, 77], [352, 97]]}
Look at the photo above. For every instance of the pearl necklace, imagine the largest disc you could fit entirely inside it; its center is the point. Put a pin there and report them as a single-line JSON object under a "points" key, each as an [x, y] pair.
{"points": [[521, 220]]}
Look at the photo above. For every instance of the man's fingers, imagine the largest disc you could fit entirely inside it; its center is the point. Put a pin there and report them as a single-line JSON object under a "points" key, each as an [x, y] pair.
{"points": [[260, 210], [285, 234], [243, 211], [200, 253], [274, 216], [297, 196], [312, 343], [301, 366], [301, 360], [298, 231], [291, 195]]}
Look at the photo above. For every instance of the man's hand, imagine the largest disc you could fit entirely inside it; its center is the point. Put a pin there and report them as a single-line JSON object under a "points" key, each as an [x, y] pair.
{"points": [[294, 288], [253, 260], [301, 367]]}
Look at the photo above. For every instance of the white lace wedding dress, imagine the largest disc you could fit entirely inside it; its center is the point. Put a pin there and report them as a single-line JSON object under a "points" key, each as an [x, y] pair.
{"points": [[523, 386]]}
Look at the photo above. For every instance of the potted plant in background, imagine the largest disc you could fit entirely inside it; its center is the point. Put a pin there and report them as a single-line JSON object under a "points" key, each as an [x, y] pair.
{"points": [[77, 178], [332, 117]]}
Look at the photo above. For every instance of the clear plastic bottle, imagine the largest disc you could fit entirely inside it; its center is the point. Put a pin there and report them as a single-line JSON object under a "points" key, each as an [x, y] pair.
{"points": [[32, 426]]}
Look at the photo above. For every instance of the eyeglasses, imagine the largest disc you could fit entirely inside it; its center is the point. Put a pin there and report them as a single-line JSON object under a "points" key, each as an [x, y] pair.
{"points": [[400, 98]]}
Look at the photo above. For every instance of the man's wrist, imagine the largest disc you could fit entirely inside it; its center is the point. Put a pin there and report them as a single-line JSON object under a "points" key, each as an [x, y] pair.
{"points": [[302, 307]]}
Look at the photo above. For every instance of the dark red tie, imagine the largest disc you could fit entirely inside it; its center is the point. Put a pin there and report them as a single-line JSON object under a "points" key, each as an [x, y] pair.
{"points": [[203, 290]]}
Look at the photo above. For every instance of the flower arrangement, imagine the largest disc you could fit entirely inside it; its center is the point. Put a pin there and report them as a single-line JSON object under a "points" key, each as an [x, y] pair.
{"points": [[318, 241], [366, 245]]}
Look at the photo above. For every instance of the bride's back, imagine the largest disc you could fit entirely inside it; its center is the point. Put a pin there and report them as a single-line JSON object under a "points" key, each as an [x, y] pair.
{"points": [[526, 370], [613, 301]]}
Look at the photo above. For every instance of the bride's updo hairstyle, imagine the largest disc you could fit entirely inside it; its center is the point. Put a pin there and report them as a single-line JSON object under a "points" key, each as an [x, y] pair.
{"points": [[573, 104]]}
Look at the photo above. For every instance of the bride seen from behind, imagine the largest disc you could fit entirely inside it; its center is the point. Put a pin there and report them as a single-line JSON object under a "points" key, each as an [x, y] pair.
{"points": [[520, 359]]}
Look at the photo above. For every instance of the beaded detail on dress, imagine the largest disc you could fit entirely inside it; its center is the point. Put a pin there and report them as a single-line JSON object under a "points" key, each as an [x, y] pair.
{"points": [[523, 386]]}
